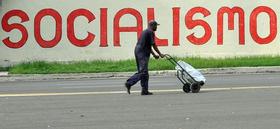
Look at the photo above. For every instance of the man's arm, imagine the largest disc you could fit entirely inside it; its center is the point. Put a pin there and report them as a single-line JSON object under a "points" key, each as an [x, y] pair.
{"points": [[157, 50], [155, 46], [153, 53]]}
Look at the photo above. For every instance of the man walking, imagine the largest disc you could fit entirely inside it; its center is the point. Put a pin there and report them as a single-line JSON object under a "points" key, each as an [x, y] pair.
{"points": [[142, 54]]}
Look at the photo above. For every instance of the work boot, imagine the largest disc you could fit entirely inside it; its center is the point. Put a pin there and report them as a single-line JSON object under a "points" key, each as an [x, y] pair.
{"points": [[128, 87], [146, 93]]}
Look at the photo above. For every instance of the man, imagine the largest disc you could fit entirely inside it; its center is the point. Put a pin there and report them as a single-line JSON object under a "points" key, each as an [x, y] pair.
{"points": [[142, 53]]}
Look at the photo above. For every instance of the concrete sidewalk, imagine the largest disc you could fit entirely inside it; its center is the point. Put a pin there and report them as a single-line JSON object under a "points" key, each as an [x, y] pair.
{"points": [[5, 77]]}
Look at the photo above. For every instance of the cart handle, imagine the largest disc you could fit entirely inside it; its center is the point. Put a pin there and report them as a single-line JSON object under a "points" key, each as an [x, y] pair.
{"points": [[168, 56], [171, 59]]}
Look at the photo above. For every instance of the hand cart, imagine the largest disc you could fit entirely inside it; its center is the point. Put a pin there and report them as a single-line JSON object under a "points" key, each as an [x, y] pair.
{"points": [[191, 78]]}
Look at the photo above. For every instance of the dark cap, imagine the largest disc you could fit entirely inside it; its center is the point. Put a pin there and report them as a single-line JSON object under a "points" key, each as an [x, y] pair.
{"points": [[153, 23]]}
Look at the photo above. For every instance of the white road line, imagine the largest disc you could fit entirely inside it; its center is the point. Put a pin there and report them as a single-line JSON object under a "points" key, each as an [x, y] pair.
{"points": [[124, 92], [240, 88], [80, 87]]}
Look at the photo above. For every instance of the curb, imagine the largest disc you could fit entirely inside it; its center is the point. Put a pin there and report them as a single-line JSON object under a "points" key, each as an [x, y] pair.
{"points": [[5, 77], [4, 74]]}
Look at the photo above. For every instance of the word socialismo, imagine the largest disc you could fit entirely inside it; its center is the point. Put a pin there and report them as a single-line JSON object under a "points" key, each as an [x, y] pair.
{"points": [[190, 24]]}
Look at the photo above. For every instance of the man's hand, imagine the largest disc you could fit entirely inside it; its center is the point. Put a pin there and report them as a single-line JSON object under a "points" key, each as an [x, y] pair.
{"points": [[162, 55], [156, 56]]}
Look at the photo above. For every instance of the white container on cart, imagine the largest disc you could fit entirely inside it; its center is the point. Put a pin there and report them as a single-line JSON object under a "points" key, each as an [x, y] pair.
{"points": [[191, 70]]}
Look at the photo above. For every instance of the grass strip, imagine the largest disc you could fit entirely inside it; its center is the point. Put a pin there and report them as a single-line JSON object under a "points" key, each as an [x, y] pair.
{"points": [[44, 67]]}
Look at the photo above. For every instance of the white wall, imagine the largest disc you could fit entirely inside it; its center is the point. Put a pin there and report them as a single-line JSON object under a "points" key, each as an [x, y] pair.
{"points": [[65, 51]]}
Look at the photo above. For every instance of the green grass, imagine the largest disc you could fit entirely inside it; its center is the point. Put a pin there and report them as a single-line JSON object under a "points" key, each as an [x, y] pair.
{"points": [[4, 68], [43, 67]]}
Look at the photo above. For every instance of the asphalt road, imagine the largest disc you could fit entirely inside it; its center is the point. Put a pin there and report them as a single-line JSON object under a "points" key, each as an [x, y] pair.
{"points": [[225, 102]]}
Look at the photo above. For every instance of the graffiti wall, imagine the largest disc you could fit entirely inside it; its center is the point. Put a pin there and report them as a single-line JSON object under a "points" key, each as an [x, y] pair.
{"points": [[71, 30]]}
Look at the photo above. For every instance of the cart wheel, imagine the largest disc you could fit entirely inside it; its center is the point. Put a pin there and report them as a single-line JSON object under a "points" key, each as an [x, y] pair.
{"points": [[186, 88], [201, 83], [195, 87]]}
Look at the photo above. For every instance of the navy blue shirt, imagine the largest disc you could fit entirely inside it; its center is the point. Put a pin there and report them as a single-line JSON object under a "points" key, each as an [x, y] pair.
{"points": [[145, 43]]}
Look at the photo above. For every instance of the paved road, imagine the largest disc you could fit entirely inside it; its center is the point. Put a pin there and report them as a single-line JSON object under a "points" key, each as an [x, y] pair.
{"points": [[225, 102]]}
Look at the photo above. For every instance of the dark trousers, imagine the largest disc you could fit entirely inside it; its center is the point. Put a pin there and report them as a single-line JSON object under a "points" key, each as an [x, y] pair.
{"points": [[142, 75]]}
